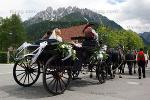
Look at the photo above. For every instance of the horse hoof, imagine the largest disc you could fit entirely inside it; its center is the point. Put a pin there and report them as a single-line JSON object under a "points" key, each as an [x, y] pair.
{"points": [[111, 77], [91, 76], [130, 73], [134, 72]]}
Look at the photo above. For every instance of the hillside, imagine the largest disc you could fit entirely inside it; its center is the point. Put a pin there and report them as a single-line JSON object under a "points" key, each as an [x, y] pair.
{"points": [[146, 37]]}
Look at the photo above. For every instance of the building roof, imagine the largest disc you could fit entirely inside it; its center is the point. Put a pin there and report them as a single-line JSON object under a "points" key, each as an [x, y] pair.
{"points": [[74, 31]]}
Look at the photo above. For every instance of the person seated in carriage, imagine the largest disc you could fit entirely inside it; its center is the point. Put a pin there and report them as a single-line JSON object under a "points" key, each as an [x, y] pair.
{"points": [[55, 34], [51, 36]]}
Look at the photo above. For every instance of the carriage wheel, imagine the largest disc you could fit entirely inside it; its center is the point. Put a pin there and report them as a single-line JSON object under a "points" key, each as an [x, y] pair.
{"points": [[55, 80], [101, 72], [24, 73], [76, 69]]}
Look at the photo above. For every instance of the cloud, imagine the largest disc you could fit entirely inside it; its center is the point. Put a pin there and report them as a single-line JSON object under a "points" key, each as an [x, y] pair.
{"points": [[115, 1], [130, 14], [136, 14]]}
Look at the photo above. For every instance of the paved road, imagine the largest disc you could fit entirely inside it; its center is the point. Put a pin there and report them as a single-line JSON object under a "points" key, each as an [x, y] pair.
{"points": [[127, 88]]}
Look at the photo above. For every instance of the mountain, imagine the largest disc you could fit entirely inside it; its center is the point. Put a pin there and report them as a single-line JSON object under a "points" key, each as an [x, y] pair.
{"points": [[65, 17], [70, 14], [146, 37]]}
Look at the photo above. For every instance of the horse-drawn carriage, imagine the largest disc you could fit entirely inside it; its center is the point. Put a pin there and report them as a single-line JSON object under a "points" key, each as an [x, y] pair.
{"points": [[58, 61]]}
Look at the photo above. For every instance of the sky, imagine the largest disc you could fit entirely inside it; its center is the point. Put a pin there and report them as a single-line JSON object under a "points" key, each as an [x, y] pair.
{"points": [[130, 14]]}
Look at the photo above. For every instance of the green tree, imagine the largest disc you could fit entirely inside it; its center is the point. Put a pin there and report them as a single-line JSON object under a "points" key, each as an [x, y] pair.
{"points": [[12, 32], [113, 38]]}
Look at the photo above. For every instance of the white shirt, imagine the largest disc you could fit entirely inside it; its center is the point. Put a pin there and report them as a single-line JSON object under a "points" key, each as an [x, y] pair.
{"points": [[96, 34], [54, 36], [146, 57], [78, 45]]}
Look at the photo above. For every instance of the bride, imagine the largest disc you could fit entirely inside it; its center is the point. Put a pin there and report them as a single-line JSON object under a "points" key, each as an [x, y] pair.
{"points": [[56, 35]]}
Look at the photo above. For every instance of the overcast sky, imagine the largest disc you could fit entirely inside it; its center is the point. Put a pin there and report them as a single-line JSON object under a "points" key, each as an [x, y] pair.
{"points": [[130, 14]]}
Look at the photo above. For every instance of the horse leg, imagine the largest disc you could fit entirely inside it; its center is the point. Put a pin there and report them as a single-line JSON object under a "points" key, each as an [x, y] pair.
{"points": [[123, 68], [109, 72], [114, 74], [120, 72], [113, 71], [91, 74]]}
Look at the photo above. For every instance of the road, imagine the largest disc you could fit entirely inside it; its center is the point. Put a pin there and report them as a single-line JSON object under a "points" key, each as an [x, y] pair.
{"points": [[126, 88]]}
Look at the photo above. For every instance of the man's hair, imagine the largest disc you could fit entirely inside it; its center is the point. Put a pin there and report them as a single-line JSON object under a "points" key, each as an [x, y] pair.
{"points": [[141, 49], [49, 32], [88, 25]]}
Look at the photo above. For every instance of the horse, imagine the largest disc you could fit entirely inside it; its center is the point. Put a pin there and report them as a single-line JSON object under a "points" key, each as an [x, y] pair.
{"points": [[116, 60]]}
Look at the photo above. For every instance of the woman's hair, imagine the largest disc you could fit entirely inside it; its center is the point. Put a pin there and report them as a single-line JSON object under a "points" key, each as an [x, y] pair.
{"points": [[49, 32], [57, 31], [47, 35]]}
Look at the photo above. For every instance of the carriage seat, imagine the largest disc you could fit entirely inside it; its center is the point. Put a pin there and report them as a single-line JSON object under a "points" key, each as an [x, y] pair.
{"points": [[50, 41]]}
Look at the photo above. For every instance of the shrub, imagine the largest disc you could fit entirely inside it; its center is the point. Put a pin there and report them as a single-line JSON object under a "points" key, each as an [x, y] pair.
{"points": [[3, 57]]}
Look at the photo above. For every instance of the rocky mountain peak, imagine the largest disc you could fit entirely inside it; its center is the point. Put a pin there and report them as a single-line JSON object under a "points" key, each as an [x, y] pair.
{"points": [[55, 14]]}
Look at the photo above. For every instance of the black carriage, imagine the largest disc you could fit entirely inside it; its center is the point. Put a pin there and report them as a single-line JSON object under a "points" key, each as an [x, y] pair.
{"points": [[56, 71], [58, 63]]}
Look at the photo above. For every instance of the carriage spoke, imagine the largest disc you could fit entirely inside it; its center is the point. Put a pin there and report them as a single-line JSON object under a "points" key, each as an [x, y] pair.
{"points": [[21, 66], [28, 78], [31, 77], [53, 85], [22, 77], [60, 84], [25, 79], [34, 74], [20, 74], [56, 85], [50, 77], [24, 65], [63, 81], [51, 82]]}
